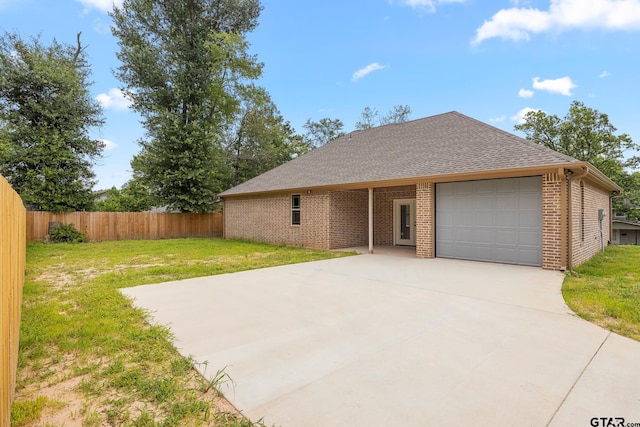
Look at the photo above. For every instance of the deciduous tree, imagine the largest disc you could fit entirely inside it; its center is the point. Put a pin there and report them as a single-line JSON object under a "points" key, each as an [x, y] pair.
{"points": [[184, 65], [132, 197], [369, 117], [259, 139], [322, 132], [46, 113], [586, 134]]}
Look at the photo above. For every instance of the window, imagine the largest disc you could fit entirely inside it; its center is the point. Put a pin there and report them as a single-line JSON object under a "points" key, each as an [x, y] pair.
{"points": [[295, 209]]}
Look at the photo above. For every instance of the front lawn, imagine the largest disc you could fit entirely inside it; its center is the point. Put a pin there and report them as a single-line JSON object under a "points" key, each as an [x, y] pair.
{"points": [[606, 290], [88, 358]]}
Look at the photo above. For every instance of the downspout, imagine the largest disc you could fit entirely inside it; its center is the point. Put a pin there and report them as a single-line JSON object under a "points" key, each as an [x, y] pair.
{"points": [[613, 194], [583, 173]]}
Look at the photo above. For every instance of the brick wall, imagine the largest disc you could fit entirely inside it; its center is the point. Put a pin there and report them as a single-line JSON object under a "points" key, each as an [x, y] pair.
{"points": [[425, 220], [268, 219], [552, 222], [383, 211], [585, 225], [349, 219]]}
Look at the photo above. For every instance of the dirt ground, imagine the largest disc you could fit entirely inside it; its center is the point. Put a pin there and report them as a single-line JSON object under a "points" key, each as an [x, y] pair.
{"points": [[67, 406]]}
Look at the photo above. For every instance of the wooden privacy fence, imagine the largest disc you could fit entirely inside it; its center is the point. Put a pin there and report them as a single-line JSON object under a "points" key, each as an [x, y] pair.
{"points": [[12, 264], [101, 226]]}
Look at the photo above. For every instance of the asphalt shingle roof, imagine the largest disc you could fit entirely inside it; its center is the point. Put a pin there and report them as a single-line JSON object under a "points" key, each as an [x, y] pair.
{"points": [[444, 144]]}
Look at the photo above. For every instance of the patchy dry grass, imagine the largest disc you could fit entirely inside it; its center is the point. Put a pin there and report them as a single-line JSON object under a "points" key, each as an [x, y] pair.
{"points": [[606, 290], [89, 358]]}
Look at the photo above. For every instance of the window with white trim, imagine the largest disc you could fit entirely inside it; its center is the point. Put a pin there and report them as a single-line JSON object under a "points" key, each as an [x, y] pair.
{"points": [[295, 209]]}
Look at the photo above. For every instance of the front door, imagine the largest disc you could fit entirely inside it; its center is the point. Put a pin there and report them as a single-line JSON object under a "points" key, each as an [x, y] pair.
{"points": [[404, 222]]}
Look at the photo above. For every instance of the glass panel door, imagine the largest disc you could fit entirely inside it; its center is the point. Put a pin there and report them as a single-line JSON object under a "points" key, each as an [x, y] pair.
{"points": [[404, 222]]}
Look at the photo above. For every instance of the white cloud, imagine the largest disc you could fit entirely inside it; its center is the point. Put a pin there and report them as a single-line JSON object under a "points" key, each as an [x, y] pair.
{"points": [[518, 23], [497, 119], [525, 93], [114, 99], [101, 5], [562, 85], [604, 74], [519, 116], [430, 5], [109, 145], [101, 27], [366, 70]]}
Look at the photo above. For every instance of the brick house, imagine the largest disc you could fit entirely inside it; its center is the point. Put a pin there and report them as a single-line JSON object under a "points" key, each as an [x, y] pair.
{"points": [[449, 185]]}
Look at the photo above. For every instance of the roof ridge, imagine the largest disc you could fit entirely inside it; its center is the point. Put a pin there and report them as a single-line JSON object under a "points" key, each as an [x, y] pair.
{"points": [[401, 123]]}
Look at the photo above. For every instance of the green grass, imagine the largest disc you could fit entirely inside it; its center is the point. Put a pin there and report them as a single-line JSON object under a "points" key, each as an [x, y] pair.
{"points": [[78, 331], [27, 412], [606, 290]]}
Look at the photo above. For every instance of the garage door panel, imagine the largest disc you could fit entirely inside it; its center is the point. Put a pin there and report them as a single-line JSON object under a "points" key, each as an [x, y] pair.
{"points": [[483, 219], [463, 187], [497, 220], [446, 204], [486, 187], [462, 202], [528, 201], [485, 236], [463, 235], [484, 203], [508, 255], [506, 236], [530, 185], [505, 185], [529, 256], [483, 252], [463, 218], [506, 218], [506, 202], [446, 250], [468, 251], [529, 238], [528, 219]]}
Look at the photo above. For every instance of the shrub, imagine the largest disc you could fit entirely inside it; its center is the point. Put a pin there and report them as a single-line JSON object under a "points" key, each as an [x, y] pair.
{"points": [[67, 233]]}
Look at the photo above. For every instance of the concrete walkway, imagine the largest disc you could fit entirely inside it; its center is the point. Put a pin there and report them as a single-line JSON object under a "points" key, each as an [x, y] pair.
{"points": [[377, 340]]}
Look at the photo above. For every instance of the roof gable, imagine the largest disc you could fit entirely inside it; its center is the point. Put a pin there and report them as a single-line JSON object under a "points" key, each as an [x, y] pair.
{"points": [[449, 143]]}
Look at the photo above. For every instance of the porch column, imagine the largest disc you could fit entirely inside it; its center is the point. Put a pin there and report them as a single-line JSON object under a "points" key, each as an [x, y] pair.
{"points": [[370, 220]]}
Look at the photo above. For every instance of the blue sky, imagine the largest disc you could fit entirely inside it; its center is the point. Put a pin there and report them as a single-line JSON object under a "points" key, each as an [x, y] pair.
{"points": [[491, 60]]}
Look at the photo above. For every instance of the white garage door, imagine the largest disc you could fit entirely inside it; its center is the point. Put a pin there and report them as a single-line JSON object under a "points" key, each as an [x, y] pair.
{"points": [[497, 220]]}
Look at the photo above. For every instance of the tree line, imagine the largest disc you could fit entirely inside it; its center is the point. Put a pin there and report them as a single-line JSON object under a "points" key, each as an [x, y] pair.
{"points": [[187, 70]]}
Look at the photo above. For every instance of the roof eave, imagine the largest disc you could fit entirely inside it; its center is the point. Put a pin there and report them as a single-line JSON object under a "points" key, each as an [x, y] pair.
{"points": [[601, 179]]}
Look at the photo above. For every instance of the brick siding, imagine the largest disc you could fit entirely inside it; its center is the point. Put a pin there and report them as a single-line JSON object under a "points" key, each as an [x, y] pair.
{"points": [[586, 244], [552, 257], [349, 219], [268, 219], [425, 220], [383, 211]]}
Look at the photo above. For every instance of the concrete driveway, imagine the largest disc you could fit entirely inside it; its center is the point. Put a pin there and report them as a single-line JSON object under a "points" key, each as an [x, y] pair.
{"points": [[377, 340]]}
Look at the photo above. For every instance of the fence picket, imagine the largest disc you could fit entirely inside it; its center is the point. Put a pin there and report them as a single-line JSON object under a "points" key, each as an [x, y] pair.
{"points": [[103, 226], [12, 264]]}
